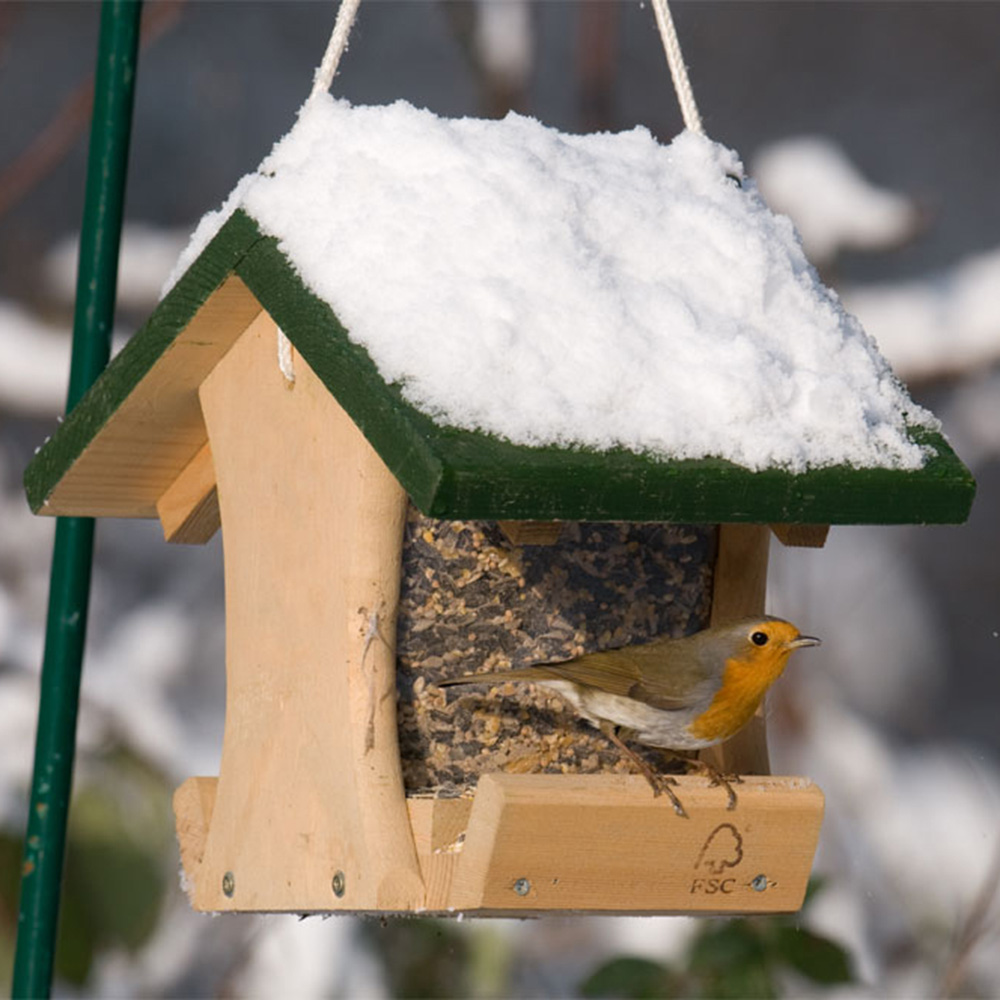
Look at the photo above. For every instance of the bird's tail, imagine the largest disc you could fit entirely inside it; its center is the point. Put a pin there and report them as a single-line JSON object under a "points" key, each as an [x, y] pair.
{"points": [[536, 673]]}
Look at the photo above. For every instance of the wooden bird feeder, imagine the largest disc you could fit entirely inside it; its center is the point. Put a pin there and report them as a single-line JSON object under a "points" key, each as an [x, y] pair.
{"points": [[346, 512]]}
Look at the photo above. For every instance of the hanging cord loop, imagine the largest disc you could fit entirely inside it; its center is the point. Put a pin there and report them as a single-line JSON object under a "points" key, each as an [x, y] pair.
{"points": [[336, 47], [678, 71], [326, 71], [285, 362]]}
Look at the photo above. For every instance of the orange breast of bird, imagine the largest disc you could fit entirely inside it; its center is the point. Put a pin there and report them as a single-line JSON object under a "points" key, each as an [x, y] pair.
{"points": [[744, 683]]}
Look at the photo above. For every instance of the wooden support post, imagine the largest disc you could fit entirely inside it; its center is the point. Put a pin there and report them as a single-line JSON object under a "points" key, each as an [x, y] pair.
{"points": [[309, 811], [739, 587], [809, 536]]}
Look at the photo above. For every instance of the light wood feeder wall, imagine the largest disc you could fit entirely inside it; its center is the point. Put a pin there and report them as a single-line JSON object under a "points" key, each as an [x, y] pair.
{"points": [[314, 808]]}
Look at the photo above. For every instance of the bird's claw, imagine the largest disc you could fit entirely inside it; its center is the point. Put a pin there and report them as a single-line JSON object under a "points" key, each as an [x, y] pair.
{"points": [[661, 785], [717, 778]]}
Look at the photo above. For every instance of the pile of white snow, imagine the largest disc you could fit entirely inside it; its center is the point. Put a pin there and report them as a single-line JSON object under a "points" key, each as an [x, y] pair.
{"points": [[582, 290]]}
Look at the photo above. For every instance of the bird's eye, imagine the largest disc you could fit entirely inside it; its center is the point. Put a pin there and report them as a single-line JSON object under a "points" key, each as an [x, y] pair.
{"points": [[759, 638]]}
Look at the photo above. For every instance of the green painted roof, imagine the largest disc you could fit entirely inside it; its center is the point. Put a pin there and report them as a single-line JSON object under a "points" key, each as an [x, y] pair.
{"points": [[464, 474]]}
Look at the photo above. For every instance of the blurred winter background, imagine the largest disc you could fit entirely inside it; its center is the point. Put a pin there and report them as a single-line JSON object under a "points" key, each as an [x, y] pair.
{"points": [[874, 127]]}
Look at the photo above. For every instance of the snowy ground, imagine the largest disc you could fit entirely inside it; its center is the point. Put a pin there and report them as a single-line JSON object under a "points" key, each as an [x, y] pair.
{"points": [[894, 717]]}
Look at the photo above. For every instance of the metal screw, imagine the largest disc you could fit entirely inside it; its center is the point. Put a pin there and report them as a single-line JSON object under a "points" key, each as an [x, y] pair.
{"points": [[338, 884], [522, 887], [229, 884], [759, 884]]}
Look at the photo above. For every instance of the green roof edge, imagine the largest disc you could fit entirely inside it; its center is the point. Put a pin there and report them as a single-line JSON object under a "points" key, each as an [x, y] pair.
{"points": [[466, 474], [138, 356]]}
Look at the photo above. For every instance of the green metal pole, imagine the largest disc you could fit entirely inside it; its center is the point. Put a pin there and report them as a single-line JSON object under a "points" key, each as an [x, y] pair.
{"points": [[55, 744]]}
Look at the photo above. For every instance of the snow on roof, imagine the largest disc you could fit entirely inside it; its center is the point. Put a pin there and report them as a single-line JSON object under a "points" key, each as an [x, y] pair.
{"points": [[581, 290]]}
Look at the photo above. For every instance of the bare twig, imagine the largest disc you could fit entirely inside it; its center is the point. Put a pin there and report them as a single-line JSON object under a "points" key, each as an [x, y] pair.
{"points": [[50, 146], [597, 63], [972, 930]]}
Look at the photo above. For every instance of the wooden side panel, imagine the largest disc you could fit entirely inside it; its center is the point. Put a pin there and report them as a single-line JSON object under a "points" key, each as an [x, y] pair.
{"points": [[739, 588], [604, 843], [189, 509], [310, 784]]}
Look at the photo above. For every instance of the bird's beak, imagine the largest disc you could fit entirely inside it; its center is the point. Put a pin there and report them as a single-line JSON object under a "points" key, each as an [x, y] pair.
{"points": [[804, 640]]}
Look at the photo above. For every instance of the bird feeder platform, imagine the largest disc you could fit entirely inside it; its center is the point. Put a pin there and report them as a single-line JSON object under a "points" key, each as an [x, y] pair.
{"points": [[311, 481], [532, 843]]}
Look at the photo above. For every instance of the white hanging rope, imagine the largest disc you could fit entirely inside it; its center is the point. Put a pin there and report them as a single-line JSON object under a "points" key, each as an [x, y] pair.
{"points": [[678, 71], [285, 357], [336, 46]]}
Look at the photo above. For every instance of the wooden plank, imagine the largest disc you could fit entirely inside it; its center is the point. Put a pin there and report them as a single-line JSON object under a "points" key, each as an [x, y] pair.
{"points": [[158, 429], [810, 536], [439, 833], [194, 802], [139, 425], [532, 532], [122, 469], [310, 783], [739, 588], [603, 843], [189, 508], [609, 846], [739, 581]]}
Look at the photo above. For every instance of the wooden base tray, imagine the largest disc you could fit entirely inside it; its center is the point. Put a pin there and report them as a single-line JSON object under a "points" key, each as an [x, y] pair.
{"points": [[531, 844]]}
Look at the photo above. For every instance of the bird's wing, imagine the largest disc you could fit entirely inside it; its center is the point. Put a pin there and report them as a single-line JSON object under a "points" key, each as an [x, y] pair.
{"points": [[647, 673], [665, 673]]}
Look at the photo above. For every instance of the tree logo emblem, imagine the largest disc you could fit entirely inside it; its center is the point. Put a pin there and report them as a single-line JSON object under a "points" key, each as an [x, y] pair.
{"points": [[723, 849]]}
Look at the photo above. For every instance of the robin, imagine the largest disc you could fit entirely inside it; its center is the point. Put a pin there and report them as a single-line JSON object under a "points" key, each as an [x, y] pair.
{"points": [[674, 694]]}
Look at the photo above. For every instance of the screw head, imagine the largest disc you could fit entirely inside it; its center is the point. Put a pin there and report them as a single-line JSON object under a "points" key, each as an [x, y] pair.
{"points": [[338, 883], [759, 884], [522, 887], [229, 884]]}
